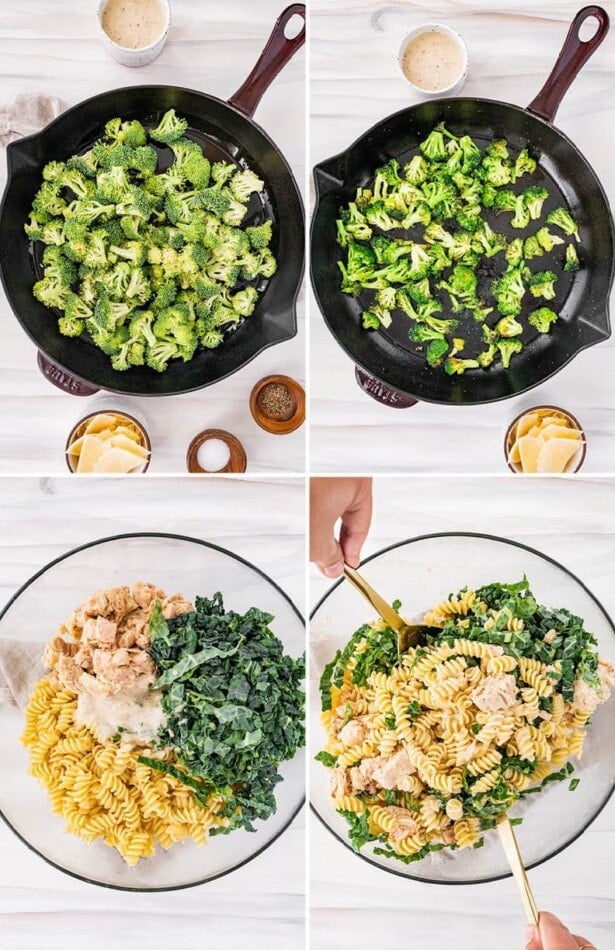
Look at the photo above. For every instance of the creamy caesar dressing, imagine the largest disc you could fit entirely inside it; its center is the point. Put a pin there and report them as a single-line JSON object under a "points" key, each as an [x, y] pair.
{"points": [[432, 61], [134, 715], [133, 24]]}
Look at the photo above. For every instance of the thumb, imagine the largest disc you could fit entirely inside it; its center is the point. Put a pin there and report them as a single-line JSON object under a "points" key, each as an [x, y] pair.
{"points": [[331, 560], [532, 938]]}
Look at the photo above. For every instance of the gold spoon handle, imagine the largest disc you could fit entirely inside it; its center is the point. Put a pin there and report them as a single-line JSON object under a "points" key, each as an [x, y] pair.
{"points": [[511, 849], [390, 616]]}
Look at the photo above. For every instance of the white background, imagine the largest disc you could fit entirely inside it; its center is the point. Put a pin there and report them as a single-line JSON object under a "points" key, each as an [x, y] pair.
{"points": [[55, 48], [355, 82], [573, 521], [259, 906]]}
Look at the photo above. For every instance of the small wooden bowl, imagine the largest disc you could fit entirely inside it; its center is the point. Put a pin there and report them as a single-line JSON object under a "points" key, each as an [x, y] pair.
{"points": [[270, 423], [79, 428], [577, 459], [237, 458]]}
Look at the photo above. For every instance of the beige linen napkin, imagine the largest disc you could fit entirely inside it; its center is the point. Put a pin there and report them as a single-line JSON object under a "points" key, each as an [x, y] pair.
{"points": [[21, 668], [26, 113]]}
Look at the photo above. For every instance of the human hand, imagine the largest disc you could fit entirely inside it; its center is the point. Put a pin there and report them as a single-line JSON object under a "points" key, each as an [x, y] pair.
{"points": [[331, 498], [551, 934]]}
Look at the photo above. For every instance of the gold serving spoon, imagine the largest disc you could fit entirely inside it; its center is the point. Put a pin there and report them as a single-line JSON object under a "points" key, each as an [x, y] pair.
{"points": [[411, 635]]}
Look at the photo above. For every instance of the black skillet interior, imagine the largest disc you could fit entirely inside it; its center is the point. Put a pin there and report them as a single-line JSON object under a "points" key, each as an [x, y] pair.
{"points": [[582, 300], [223, 133]]}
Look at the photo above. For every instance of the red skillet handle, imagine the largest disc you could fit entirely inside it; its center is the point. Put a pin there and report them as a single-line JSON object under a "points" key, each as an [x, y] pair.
{"points": [[63, 380], [572, 58], [274, 57]]}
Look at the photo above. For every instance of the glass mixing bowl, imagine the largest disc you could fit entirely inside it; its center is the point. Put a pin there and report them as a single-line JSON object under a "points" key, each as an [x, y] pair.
{"points": [[176, 564], [424, 571]]}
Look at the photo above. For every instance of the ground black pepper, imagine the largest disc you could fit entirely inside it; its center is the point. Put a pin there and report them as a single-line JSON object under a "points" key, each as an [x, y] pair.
{"points": [[277, 401]]}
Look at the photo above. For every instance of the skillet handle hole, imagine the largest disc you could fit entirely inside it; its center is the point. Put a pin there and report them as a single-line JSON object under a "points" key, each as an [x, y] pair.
{"points": [[588, 29], [294, 27]]}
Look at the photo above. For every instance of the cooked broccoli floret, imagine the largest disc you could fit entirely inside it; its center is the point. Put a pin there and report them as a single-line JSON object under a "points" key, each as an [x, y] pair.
{"points": [[532, 248], [421, 333], [433, 146], [534, 198], [524, 165], [542, 284], [436, 351], [170, 128], [508, 326], [547, 240], [454, 365], [496, 170], [509, 291], [572, 258], [514, 252], [564, 220], [542, 319], [416, 170], [469, 220], [508, 347]]}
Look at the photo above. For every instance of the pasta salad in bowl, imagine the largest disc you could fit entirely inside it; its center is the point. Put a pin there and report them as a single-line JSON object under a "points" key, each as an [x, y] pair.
{"points": [[499, 710], [154, 724]]}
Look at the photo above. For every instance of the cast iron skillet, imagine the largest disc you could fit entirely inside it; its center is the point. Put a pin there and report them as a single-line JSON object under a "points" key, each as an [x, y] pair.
{"points": [[225, 130], [388, 365]]}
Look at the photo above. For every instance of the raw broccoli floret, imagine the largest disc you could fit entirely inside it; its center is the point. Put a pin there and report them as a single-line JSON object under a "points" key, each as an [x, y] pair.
{"points": [[113, 186], [211, 339], [197, 169], [48, 199], [141, 327], [76, 309], [542, 319], [157, 357], [144, 160], [564, 220], [244, 301], [214, 200], [260, 236], [50, 292], [71, 326], [235, 213], [542, 284], [138, 286], [244, 184], [170, 128], [572, 258]]}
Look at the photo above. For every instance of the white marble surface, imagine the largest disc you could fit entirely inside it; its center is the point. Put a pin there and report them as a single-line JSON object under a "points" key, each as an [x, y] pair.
{"points": [[573, 521], [260, 905], [355, 82], [55, 48]]}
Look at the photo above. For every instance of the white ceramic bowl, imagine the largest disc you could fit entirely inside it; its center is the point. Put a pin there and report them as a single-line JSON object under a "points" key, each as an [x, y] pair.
{"points": [[142, 55], [453, 88]]}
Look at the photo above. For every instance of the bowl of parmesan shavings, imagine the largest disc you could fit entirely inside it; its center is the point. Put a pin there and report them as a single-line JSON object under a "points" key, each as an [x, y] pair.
{"points": [[154, 737]]}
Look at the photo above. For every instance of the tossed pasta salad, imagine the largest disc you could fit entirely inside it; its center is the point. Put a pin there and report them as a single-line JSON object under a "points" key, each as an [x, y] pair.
{"points": [[426, 750], [161, 720]]}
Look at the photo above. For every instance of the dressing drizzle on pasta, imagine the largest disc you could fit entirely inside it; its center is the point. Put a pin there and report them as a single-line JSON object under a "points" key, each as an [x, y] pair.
{"points": [[426, 752]]}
